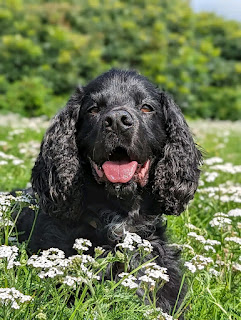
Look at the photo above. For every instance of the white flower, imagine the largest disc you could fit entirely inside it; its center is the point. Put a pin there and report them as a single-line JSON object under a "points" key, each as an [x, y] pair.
{"points": [[209, 248], [72, 281], [188, 247], [225, 192], [147, 279], [191, 226], [233, 239], [211, 176], [234, 213], [4, 222], [198, 263], [227, 167], [51, 262], [13, 297], [197, 237], [213, 160], [124, 245], [237, 266], [53, 254], [220, 214], [146, 245], [82, 244], [128, 281], [167, 316], [156, 272], [51, 273], [40, 262], [83, 258], [213, 242], [220, 222], [16, 162], [132, 241], [191, 267], [214, 272], [123, 274], [10, 253]]}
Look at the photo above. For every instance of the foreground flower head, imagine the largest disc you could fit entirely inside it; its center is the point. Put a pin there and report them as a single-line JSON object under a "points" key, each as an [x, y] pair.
{"points": [[128, 280], [82, 244], [10, 253], [133, 241], [13, 297]]}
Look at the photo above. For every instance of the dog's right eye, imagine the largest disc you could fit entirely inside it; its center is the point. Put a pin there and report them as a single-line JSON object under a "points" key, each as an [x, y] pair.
{"points": [[94, 110], [146, 108]]}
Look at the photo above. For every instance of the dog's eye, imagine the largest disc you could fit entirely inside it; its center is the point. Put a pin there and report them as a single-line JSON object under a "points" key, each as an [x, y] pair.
{"points": [[146, 108], [94, 110]]}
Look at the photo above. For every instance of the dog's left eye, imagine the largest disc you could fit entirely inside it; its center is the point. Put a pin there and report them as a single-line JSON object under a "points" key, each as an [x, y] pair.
{"points": [[145, 108], [94, 110]]}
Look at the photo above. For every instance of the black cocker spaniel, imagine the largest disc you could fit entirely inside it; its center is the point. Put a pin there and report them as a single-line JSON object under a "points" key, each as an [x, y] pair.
{"points": [[116, 158]]}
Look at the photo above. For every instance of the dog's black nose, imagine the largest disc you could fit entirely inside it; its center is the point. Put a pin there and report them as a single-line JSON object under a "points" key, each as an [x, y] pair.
{"points": [[118, 120]]}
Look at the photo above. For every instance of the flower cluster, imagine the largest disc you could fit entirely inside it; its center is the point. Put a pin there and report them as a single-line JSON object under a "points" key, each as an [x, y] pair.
{"points": [[8, 200], [9, 157], [233, 239], [82, 244], [52, 262], [19, 124], [227, 167], [158, 314], [235, 213], [154, 271], [13, 297], [210, 176], [198, 262], [224, 192], [213, 160], [73, 270], [128, 281], [207, 242], [133, 241], [9, 253], [220, 220], [4, 220], [153, 275]]}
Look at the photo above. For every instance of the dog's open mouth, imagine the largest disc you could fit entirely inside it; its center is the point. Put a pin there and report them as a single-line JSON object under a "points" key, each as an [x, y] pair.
{"points": [[119, 168]]}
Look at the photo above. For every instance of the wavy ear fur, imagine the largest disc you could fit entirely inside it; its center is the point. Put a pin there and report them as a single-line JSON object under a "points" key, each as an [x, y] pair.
{"points": [[177, 173], [57, 173]]}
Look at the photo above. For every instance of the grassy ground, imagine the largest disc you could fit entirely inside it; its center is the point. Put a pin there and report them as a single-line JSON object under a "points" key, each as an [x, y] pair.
{"points": [[208, 232]]}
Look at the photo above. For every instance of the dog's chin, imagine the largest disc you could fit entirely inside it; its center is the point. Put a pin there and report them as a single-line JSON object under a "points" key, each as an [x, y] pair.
{"points": [[122, 190]]}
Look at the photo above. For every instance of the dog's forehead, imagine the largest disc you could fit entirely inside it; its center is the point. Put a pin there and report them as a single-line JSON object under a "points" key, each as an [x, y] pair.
{"points": [[118, 87]]}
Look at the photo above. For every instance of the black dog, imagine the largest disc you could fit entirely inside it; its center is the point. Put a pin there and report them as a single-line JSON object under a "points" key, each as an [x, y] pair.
{"points": [[116, 158]]}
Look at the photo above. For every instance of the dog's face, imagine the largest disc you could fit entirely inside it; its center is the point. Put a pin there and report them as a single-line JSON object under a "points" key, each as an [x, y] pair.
{"points": [[121, 129]]}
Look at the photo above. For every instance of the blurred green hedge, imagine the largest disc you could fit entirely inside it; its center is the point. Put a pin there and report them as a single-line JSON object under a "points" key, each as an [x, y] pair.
{"points": [[49, 47]]}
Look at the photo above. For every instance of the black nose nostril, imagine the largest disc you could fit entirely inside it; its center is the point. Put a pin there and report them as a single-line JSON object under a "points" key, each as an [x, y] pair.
{"points": [[127, 121]]}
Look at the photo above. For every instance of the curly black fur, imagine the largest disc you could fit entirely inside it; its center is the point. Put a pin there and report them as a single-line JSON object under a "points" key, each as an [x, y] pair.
{"points": [[120, 113]]}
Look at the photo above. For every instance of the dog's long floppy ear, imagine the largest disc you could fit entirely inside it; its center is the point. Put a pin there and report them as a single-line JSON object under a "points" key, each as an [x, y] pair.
{"points": [[57, 174], [177, 173]]}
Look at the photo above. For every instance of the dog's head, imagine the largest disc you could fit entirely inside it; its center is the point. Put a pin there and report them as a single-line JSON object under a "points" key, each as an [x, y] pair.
{"points": [[130, 134], [121, 129]]}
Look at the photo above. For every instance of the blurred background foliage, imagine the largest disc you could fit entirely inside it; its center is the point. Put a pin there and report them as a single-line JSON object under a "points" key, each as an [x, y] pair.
{"points": [[49, 46]]}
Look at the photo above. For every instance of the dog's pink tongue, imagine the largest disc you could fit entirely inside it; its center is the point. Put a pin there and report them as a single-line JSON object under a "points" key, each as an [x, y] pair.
{"points": [[119, 171]]}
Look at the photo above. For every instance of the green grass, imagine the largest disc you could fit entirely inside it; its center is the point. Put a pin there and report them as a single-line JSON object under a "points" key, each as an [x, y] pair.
{"points": [[209, 296]]}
